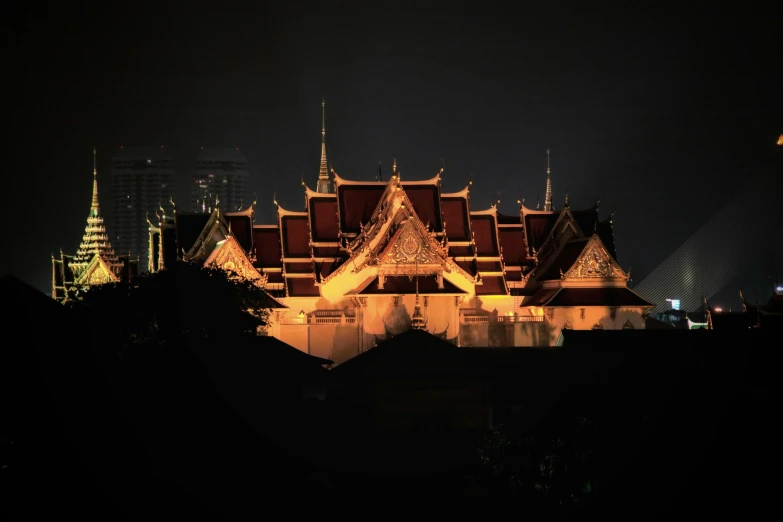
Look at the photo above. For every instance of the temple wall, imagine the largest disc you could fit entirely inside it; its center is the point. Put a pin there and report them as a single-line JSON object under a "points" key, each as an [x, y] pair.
{"points": [[380, 313], [340, 331], [584, 318], [320, 328], [530, 326]]}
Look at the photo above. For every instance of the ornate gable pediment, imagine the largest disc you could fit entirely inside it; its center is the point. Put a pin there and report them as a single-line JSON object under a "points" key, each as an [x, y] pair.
{"points": [[199, 248], [97, 273], [595, 263], [412, 244], [230, 256]]}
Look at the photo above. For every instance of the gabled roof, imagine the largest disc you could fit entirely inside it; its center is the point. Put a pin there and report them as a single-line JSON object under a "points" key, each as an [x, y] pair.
{"points": [[358, 201], [229, 255], [97, 272], [189, 227], [595, 263]]}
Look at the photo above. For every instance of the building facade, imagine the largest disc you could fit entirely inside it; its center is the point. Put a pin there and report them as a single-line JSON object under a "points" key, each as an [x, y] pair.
{"points": [[95, 262], [372, 259], [220, 177], [143, 182]]}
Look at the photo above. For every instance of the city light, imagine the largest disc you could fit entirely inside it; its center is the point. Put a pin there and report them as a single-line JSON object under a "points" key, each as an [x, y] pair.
{"points": [[675, 303], [718, 309]]}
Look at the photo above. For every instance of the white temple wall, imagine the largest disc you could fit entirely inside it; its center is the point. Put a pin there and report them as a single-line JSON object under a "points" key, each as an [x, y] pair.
{"points": [[341, 330]]}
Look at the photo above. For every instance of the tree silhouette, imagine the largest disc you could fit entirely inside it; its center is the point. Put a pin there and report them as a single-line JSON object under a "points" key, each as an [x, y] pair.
{"points": [[185, 300]]}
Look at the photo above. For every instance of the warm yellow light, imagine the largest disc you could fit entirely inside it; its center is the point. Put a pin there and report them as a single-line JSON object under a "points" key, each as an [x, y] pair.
{"points": [[780, 141], [301, 313]]}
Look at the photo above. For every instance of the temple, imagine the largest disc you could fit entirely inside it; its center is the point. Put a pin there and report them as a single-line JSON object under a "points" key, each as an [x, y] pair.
{"points": [[95, 263], [370, 259]]}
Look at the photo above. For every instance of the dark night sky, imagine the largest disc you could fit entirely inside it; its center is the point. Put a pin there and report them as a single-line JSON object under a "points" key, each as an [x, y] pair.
{"points": [[666, 113]]}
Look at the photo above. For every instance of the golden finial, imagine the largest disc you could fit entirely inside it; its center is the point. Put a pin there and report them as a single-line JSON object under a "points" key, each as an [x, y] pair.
{"points": [[548, 199], [274, 199], [94, 207], [394, 167]]}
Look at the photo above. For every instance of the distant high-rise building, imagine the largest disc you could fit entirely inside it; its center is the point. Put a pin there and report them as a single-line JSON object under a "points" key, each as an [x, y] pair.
{"points": [[220, 177], [144, 184]]}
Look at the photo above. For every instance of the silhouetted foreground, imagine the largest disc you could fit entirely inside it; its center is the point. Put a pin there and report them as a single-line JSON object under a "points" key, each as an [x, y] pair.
{"points": [[638, 423]]}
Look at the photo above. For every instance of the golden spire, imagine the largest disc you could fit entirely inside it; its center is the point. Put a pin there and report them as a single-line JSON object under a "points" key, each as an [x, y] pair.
{"points": [[323, 174], [548, 199], [95, 239], [94, 208]]}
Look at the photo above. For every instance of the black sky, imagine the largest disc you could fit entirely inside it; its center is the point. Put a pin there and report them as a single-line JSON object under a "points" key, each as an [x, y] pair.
{"points": [[667, 113]]}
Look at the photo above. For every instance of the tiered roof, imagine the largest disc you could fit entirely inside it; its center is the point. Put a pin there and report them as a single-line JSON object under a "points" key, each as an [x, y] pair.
{"points": [[532, 255], [95, 248], [95, 261], [353, 242]]}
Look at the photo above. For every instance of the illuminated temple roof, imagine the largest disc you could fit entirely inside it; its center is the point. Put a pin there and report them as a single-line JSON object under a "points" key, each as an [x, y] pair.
{"points": [[95, 240], [95, 261], [501, 254], [352, 241]]}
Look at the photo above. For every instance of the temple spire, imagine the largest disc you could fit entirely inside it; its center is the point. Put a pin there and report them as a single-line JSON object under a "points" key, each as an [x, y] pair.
{"points": [[323, 174], [95, 239], [548, 199], [417, 321], [94, 207]]}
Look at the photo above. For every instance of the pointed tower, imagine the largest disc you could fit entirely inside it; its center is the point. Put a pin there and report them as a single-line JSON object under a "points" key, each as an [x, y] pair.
{"points": [[95, 262], [323, 174], [95, 239], [548, 199], [417, 321]]}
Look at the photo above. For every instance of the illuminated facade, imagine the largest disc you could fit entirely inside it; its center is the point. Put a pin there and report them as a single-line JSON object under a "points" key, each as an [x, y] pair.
{"points": [[371, 259], [95, 262]]}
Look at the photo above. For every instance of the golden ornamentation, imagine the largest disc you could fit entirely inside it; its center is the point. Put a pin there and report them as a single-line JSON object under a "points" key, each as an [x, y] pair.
{"points": [[411, 248], [594, 263], [99, 276], [231, 258]]}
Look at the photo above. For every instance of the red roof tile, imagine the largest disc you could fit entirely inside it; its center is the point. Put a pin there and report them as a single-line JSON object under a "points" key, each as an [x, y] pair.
{"points": [[296, 236], [266, 240], [457, 218]]}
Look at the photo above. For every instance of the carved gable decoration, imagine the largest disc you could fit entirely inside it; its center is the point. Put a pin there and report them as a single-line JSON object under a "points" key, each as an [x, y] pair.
{"points": [[412, 245], [595, 263], [97, 273], [230, 256]]}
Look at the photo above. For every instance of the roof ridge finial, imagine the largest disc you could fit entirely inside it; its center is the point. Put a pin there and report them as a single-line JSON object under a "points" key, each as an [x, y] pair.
{"points": [[394, 167], [566, 198], [323, 173], [548, 199], [538, 202], [94, 207]]}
